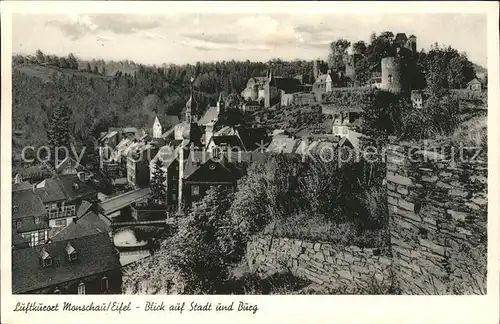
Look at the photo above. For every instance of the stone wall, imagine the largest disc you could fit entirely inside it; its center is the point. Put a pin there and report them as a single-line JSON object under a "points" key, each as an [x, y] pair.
{"points": [[438, 225], [438, 219], [330, 268]]}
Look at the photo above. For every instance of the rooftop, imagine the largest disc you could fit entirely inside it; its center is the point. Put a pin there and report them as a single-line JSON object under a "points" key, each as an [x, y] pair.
{"points": [[96, 254], [118, 202], [25, 203], [88, 224]]}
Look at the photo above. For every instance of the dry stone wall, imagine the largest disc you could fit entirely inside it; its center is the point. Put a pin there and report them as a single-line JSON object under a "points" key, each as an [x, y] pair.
{"points": [[330, 268], [437, 203]]}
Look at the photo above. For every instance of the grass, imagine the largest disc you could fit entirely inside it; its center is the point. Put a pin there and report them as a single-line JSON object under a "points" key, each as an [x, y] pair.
{"points": [[317, 228], [473, 132]]}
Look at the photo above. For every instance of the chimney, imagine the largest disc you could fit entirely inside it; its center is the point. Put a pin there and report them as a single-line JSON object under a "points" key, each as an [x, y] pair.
{"points": [[81, 176], [34, 188]]}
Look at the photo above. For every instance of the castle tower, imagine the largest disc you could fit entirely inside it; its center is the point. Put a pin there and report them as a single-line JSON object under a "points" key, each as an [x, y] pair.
{"points": [[412, 43], [393, 75], [157, 129]]}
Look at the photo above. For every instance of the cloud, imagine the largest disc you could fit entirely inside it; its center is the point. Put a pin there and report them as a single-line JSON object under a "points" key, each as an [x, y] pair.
{"points": [[152, 36], [78, 26]]}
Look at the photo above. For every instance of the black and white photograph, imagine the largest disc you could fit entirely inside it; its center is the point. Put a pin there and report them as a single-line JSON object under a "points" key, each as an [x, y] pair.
{"points": [[215, 153]]}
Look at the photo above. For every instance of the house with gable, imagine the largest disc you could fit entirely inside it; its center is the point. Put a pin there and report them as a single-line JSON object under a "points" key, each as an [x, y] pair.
{"points": [[474, 85], [200, 171], [64, 196]]}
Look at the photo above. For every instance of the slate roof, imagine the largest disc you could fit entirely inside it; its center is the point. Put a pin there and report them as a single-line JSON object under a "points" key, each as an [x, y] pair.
{"points": [[167, 154], [283, 144], [89, 224], [400, 37], [474, 81], [231, 140], [210, 115], [286, 84], [25, 203], [49, 190], [24, 185], [83, 208], [96, 254], [84, 189], [18, 241], [116, 203], [253, 138]]}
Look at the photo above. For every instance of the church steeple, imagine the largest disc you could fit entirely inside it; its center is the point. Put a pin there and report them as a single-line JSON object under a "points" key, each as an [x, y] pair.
{"points": [[191, 115], [220, 104]]}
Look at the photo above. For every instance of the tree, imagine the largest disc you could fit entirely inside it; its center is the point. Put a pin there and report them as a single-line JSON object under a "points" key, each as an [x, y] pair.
{"points": [[40, 57], [103, 70], [362, 71], [359, 47], [208, 243], [58, 131], [73, 62], [63, 63], [96, 70], [89, 69], [158, 190], [338, 51]]}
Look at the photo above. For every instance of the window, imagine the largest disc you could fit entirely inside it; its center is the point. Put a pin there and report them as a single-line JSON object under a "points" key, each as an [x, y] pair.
{"points": [[18, 224], [390, 78], [104, 283], [335, 130], [47, 262], [42, 236], [344, 131], [195, 190], [81, 289], [73, 256], [34, 238], [174, 197], [37, 220], [61, 222]]}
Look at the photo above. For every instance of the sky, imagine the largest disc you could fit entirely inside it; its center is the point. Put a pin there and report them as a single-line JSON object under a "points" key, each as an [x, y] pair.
{"points": [[188, 38]]}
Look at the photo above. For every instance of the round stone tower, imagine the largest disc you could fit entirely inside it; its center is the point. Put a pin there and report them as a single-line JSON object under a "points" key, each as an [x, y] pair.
{"points": [[393, 75]]}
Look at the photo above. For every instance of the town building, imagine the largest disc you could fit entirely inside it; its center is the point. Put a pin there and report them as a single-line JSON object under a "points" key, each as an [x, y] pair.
{"points": [[64, 197], [271, 89], [474, 85], [345, 125], [199, 171], [418, 97], [82, 265], [326, 82], [238, 138], [29, 217]]}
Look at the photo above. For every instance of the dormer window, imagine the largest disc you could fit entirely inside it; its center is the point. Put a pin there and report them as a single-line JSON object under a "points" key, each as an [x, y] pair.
{"points": [[71, 252], [46, 258], [75, 186]]}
